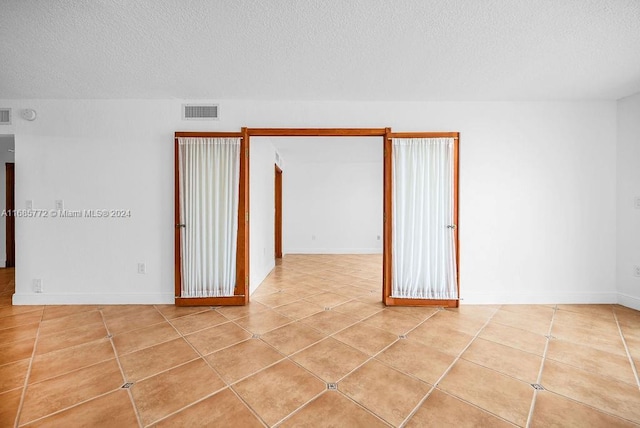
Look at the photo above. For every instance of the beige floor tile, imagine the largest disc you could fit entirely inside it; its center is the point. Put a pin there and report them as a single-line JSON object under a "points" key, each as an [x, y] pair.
{"points": [[332, 409], [218, 337], [235, 312], [279, 390], [515, 338], [411, 357], [479, 311], [298, 310], [65, 360], [330, 359], [327, 299], [357, 309], [71, 321], [70, 337], [64, 391], [219, 410], [445, 340], [504, 359], [277, 299], [16, 351], [372, 298], [243, 359], [443, 410], [628, 317], [592, 360], [144, 337], [369, 340], [539, 311], [604, 393], [603, 311], [192, 323], [20, 319], [585, 336], [328, 322], [142, 318], [167, 392], [292, 337], [18, 334], [420, 312], [392, 322], [586, 321], [155, 359], [12, 375], [384, 391], [464, 323], [9, 404], [20, 309], [58, 311], [172, 311], [122, 311], [497, 393], [263, 322], [532, 323], [111, 410], [633, 345], [552, 410]]}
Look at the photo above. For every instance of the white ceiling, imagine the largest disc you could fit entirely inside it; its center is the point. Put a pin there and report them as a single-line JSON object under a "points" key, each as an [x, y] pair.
{"points": [[320, 49]]}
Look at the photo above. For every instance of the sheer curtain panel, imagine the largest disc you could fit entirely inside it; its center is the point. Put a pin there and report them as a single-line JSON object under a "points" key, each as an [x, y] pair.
{"points": [[423, 247], [209, 192]]}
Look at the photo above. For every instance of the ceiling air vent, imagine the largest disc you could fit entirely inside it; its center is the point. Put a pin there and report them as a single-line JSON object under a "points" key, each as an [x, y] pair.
{"points": [[5, 116], [200, 111]]}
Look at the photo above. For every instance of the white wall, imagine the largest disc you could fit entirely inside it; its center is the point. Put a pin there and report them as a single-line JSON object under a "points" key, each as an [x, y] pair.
{"points": [[537, 192], [261, 205], [332, 207], [6, 143], [628, 220]]}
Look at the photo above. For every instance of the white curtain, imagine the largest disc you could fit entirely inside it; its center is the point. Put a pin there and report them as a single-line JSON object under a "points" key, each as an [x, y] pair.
{"points": [[209, 192], [424, 256]]}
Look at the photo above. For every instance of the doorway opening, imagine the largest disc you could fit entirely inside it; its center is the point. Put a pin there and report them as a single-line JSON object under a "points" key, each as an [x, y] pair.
{"points": [[429, 147]]}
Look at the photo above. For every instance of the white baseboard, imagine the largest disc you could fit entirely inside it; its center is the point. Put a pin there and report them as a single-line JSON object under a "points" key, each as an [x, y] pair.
{"points": [[257, 279], [629, 301], [93, 299], [537, 299], [332, 251]]}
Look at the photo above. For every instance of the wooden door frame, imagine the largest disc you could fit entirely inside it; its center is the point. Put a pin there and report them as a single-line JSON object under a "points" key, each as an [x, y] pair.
{"points": [[278, 212], [388, 224], [10, 225], [241, 293], [241, 290]]}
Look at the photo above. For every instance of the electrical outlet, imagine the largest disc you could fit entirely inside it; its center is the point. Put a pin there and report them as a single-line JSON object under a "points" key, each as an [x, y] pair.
{"points": [[142, 268], [636, 271], [37, 286], [29, 204], [59, 205]]}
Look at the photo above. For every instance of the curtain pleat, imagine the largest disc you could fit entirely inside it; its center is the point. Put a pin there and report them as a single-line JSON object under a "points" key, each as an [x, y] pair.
{"points": [[209, 172], [423, 247]]}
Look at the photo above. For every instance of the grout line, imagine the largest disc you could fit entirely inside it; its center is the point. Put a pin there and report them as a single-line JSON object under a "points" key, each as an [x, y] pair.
{"points": [[124, 377], [539, 378], [28, 374], [446, 372], [626, 348]]}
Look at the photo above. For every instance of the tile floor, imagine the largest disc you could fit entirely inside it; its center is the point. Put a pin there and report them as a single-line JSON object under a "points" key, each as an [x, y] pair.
{"points": [[317, 348]]}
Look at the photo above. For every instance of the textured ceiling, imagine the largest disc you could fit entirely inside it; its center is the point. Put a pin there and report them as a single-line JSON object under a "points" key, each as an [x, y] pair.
{"points": [[320, 49]]}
